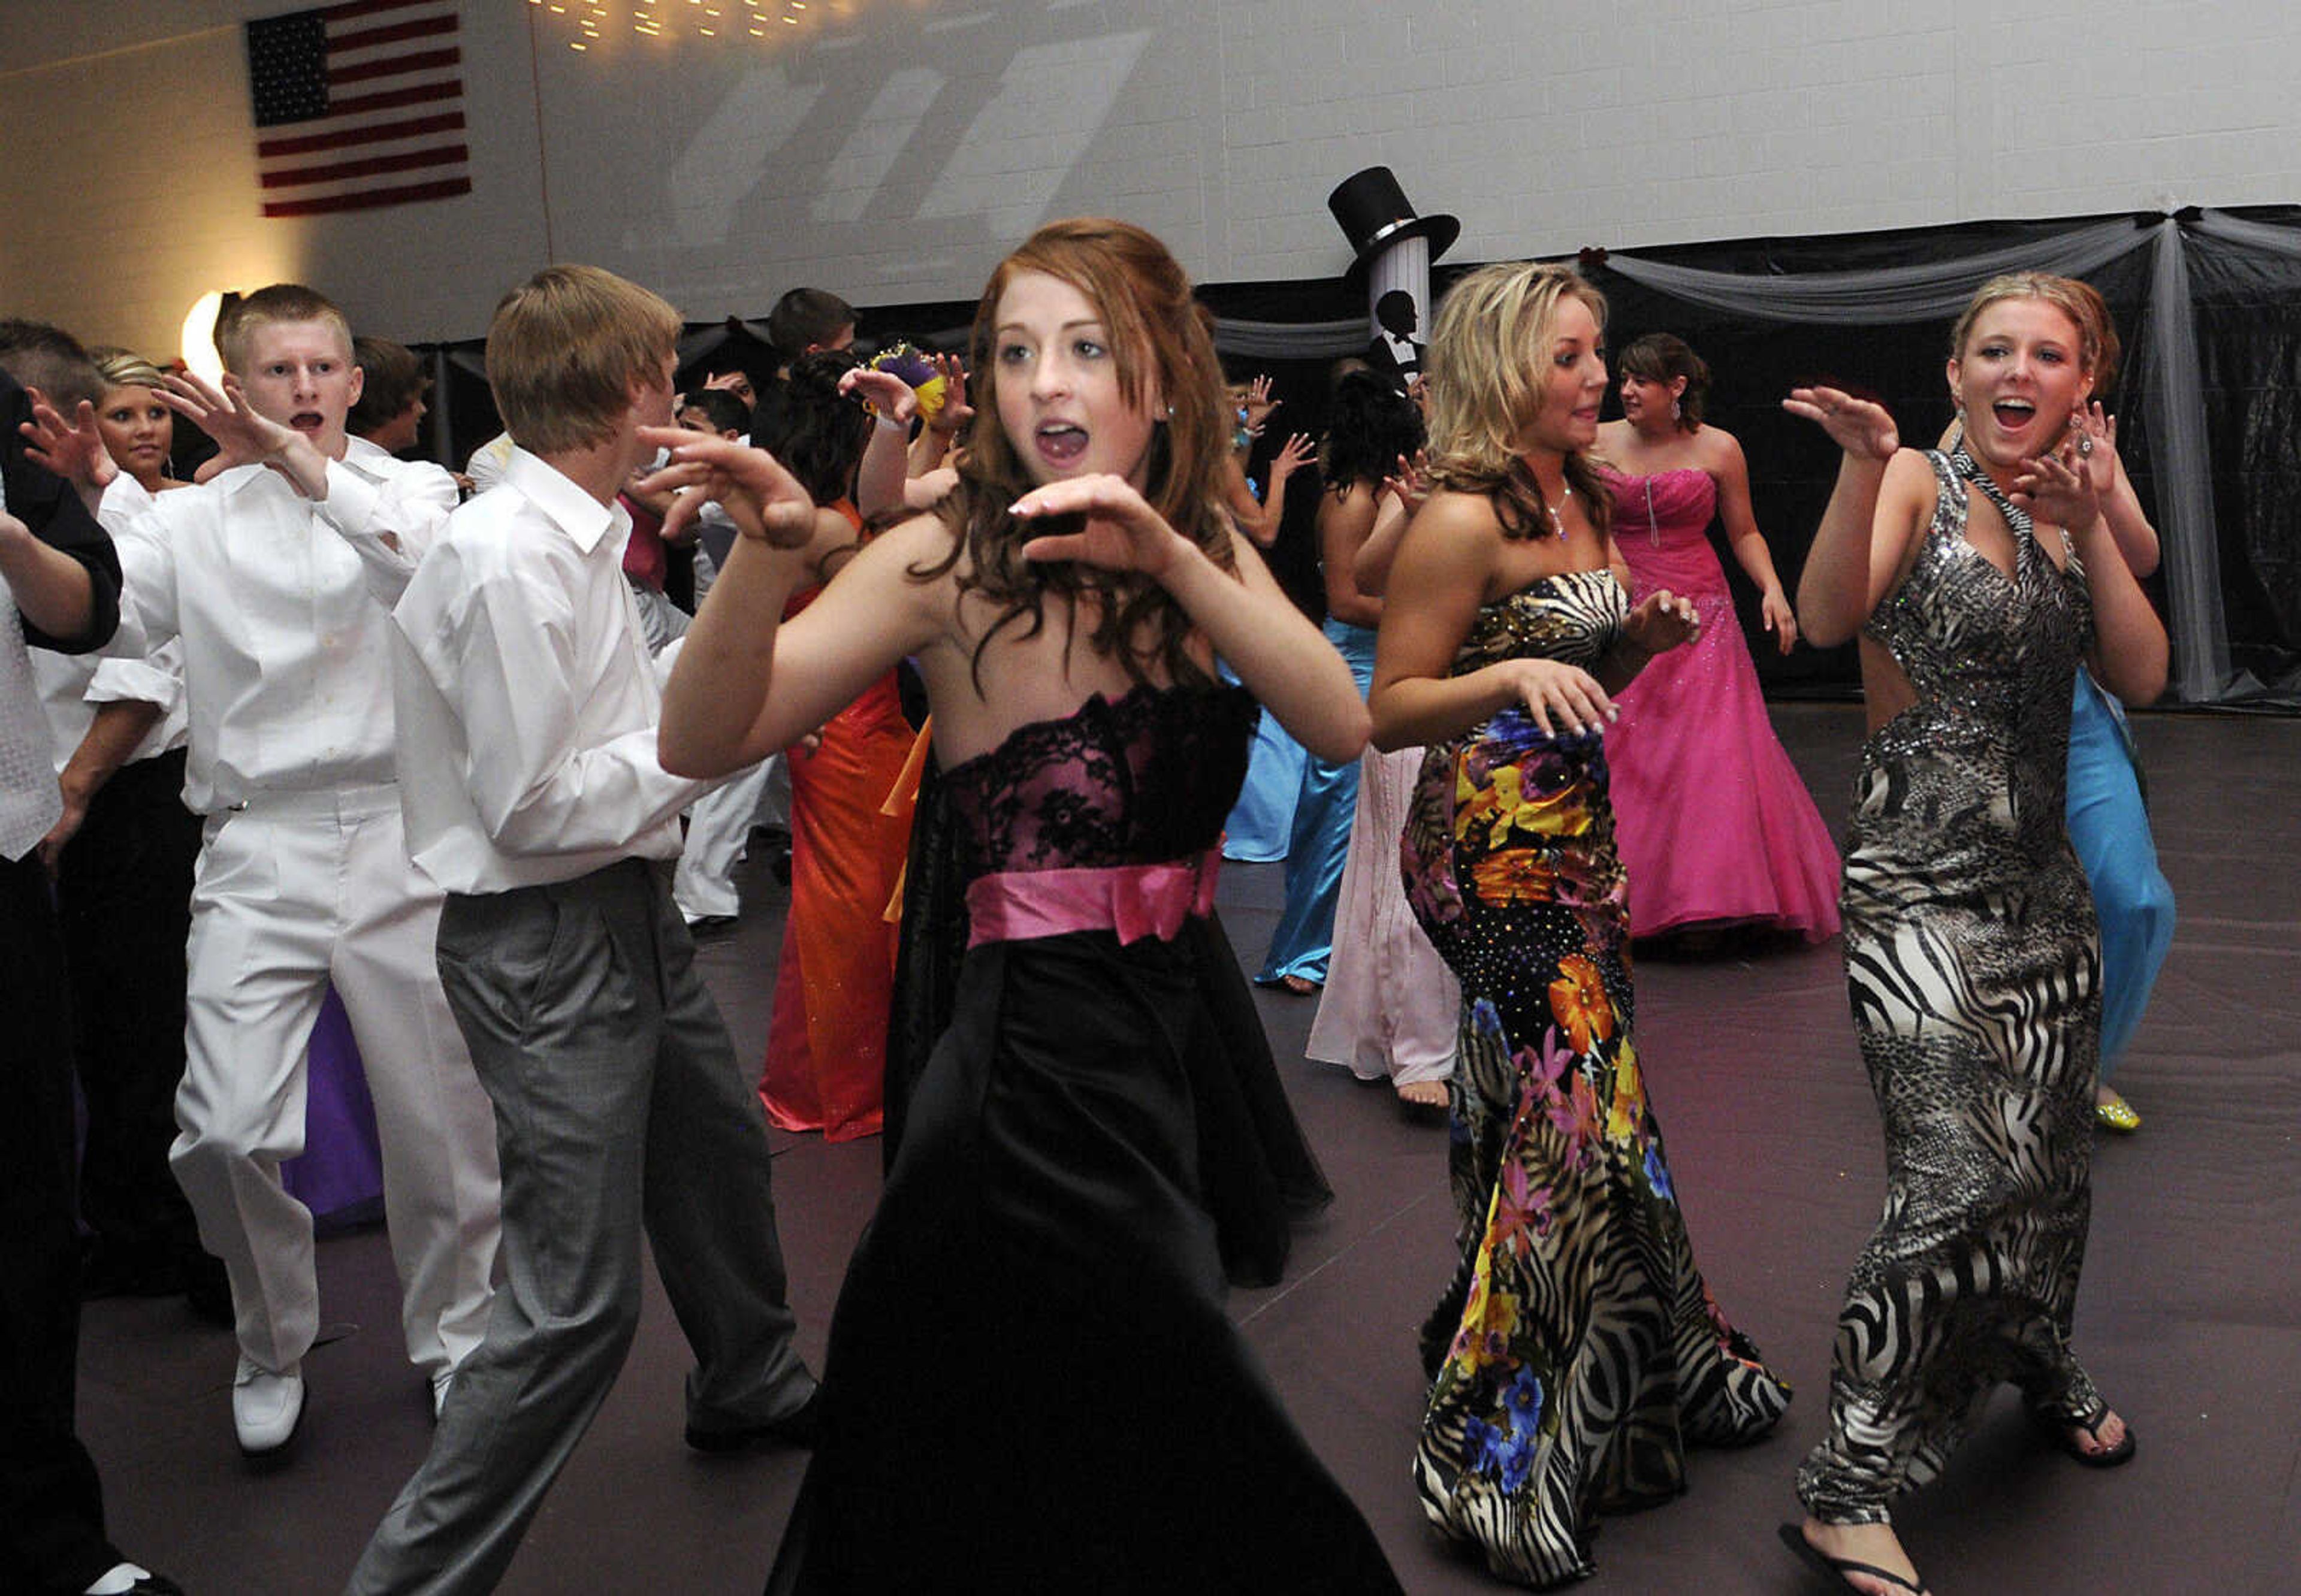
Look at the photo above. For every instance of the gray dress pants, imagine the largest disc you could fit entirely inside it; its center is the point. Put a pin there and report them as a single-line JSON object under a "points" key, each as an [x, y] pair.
{"points": [[619, 1105]]}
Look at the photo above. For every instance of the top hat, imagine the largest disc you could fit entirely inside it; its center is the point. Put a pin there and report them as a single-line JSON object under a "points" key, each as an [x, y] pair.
{"points": [[1373, 211]]}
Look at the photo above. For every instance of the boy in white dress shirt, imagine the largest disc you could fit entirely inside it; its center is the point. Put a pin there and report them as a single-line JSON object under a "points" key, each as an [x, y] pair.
{"points": [[276, 575], [527, 709]]}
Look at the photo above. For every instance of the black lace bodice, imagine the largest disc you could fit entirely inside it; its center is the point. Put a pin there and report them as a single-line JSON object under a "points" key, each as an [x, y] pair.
{"points": [[1137, 779]]}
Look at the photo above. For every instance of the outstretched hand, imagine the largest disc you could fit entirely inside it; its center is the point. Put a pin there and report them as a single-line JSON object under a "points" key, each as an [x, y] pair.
{"points": [[1291, 456], [242, 437], [889, 395], [2058, 488], [956, 410], [1861, 427], [764, 500], [1121, 530], [2094, 432], [1258, 404], [1661, 620], [1411, 483], [74, 450]]}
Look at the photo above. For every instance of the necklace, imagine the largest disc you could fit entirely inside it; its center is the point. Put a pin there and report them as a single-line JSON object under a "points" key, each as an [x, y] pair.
{"points": [[1557, 521]]}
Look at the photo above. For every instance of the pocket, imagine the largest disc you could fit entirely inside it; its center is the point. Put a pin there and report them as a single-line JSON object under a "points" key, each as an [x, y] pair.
{"points": [[238, 861], [497, 953]]}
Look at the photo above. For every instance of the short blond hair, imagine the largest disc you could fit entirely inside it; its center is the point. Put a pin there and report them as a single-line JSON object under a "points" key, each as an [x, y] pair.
{"points": [[1488, 369], [565, 349], [281, 302]]}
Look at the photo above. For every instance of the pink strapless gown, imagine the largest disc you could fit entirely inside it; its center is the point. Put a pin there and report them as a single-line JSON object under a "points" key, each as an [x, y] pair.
{"points": [[1713, 822]]}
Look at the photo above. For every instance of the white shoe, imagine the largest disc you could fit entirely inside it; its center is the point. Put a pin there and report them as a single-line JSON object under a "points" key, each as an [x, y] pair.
{"points": [[265, 1407], [441, 1381]]}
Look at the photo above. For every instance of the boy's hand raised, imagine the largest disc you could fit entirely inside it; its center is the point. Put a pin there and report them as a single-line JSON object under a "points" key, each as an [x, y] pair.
{"points": [[243, 437]]}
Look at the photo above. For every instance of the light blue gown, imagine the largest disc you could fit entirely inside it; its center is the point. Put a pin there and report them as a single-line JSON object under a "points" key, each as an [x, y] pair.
{"points": [[1263, 818], [1320, 840], [2110, 829]]}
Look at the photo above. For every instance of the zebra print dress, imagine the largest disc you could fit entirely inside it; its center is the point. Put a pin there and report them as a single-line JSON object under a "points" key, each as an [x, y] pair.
{"points": [[1972, 963], [1577, 1353]]}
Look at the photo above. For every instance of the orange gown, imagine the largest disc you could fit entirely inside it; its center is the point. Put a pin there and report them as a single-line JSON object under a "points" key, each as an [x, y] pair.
{"points": [[827, 1037]]}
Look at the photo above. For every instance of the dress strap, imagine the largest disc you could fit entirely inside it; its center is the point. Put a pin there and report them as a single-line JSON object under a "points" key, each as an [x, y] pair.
{"points": [[2023, 524], [2016, 518]]}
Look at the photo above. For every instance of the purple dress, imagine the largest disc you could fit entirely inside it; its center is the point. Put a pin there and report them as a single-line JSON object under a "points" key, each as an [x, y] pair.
{"points": [[1713, 823]]}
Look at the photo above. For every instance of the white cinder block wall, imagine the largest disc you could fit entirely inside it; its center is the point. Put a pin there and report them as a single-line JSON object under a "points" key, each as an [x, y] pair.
{"points": [[892, 149]]}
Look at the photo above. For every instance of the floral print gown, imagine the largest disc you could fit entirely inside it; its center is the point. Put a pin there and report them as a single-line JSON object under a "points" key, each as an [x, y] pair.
{"points": [[1577, 1352]]}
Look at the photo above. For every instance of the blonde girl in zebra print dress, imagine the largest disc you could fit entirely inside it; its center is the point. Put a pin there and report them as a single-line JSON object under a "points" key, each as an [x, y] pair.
{"points": [[1976, 580], [1577, 1353]]}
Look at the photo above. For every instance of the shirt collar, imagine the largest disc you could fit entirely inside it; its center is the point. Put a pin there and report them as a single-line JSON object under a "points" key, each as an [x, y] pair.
{"points": [[584, 519], [368, 458]]}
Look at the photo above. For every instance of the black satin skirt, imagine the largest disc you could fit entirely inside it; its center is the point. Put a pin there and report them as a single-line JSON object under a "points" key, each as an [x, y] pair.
{"points": [[1257, 1175], [1032, 1384]]}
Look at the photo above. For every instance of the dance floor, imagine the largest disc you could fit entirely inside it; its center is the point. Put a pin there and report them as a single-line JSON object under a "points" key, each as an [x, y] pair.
{"points": [[2189, 1316]]}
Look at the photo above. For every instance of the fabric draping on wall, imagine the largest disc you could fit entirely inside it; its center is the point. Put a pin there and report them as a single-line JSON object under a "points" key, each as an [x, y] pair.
{"points": [[1931, 291]]}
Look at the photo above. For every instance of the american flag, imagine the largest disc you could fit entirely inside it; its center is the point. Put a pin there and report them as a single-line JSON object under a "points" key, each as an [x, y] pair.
{"points": [[367, 99]]}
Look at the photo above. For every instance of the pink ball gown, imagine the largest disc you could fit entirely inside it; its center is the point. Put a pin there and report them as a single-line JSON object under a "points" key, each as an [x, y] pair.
{"points": [[1713, 822]]}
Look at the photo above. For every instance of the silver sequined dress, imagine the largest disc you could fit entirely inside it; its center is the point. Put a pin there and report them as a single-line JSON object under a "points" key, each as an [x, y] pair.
{"points": [[1973, 966]]}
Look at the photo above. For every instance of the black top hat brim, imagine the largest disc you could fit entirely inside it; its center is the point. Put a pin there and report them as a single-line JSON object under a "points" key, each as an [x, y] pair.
{"points": [[1440, 229]]}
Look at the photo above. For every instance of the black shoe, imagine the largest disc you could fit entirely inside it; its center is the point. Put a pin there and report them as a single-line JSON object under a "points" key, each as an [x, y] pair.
{"points": [[799, 1428]]}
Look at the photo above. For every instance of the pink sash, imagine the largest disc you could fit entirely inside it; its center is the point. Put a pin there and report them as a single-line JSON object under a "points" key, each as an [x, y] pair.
{"points": [[1133, 900]]}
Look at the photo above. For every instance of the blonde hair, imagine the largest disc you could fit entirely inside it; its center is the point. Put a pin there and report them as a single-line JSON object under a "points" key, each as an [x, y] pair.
{"points": [[2081, 303], [1489, 358], [281, 302], [565, 349], [123, 368]]}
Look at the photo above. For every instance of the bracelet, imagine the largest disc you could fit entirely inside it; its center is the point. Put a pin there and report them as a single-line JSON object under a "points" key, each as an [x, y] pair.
{"points": [[892, 423]]}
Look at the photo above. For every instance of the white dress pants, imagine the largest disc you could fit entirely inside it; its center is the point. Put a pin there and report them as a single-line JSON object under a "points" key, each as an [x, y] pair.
{"points": [[718, 824], [292, 891]]}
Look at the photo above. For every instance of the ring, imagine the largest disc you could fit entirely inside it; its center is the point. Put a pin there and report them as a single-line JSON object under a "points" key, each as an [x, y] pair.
{"points": [[2084, 443]]}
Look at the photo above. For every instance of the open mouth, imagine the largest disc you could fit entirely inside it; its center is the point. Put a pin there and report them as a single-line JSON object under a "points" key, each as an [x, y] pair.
{"points": [[307, 420], [2014, 414], [1059, 443]]}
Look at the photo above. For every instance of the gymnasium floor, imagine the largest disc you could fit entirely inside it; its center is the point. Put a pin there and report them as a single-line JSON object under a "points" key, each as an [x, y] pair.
{"points": [[2189, 1317]]}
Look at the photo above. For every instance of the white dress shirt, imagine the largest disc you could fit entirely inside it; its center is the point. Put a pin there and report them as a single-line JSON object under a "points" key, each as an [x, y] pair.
{"points": [[280, 603], [527, 705], [72, 686]]}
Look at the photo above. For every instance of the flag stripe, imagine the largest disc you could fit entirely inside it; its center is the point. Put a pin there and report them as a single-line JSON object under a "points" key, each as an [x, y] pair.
{"points": [[352, 10], [391, 66], [391, 34], [445, 189], [444, 154], [417, 94], [445, 121]]}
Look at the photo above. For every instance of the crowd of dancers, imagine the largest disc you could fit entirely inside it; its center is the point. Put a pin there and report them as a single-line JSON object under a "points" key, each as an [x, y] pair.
{"points": [[436, 739]]}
